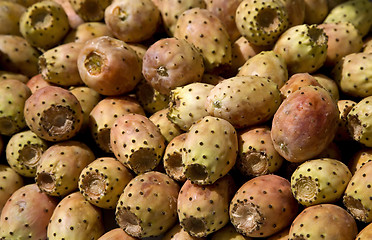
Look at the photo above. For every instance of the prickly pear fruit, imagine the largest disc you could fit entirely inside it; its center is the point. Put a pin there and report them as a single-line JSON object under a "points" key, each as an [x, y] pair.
{"points": [[178, 233], [150, 99], [305, 124], [75, 218], [90, 10], [33, 210], [261, 21], [141, 205], [116, 234], [44, 24], [25, 3], [263, 206], [210, 150], [359, 159], [74, 19], [10, 12], [137, 142], [13, 96], [244, 100], [367, 45], [296, 82], [365, 233], [102, 181], [109, 66], [315, 11], [359, 121], [282, 235], [10, 182], [168, 129], [37, 82], [60, 167], [228, 232], [329, 84], [344, 107], [343, 225], [203, 210], [23, 152], [53, 113], [320, 181], [295, 11], [172, 159], [11, 75], [87, 31]]}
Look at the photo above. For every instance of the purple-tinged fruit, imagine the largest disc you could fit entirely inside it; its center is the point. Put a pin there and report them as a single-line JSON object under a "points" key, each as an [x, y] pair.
{"points": [[296, 82], [37, 82], [11, 181]]}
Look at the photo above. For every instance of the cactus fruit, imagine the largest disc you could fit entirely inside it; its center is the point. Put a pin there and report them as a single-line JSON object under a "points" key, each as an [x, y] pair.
{"points": [[305, 124], [296, 82], [367, 45], [58, 65], [314, 223], [203, 29], [329, 84], [365, 233], [168, 129], [172, 159], [282, 235], [261, 21], [11, 181], [74, 19], [53, 113], [331, 151], [178, 233], [141, 211], [87, 31], [90, 10], [244, 100], [116, 234], [75, 218], [344, 107], [102, 181], [295, 11], [359, 159], [44, 24], [33, 210], [266, 64], [137, 142], [211, 79], [4, 75], [150, 99], [23, 152], [228, 232], [359, 121], [263, 206], [109, 66], [60, 167], [13, 96], [320, 181], [171, 63], [303, 47], [203, 210], [186, 104], [25, 3], [257, 155], [10, 12], [37, 82], [104, 114], [315, 11], [132, 21]]}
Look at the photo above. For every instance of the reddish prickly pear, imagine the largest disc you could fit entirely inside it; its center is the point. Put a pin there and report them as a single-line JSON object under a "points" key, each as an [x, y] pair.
{"points": [[116, 234], [10, 182], [37, 82]]}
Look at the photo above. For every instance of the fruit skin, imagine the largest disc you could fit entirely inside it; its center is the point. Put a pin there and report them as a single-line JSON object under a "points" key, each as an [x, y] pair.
{"points": [[344, 107], [295, 11], [304, 124], [60, 167], [150, 99], [329, 84], [203, 210], [13, 96], [23, 152], [359, 122], [102, 181], [203, 29], [359, 159], [168, 129], [137, 142], [48, 31], [4, 75], [343, 225], [37, 82], [263, 206], [315, 11], [58, 65], [296, 82], [10, 182], [90, 10], [75, 218], [172, 160], [34, 209], [210, 150], [116, 234], [178, 233], [87, 31], [53, 113], [262, 21], [10, 12], [141, 211], [109, 66], [320, 181], [282, 235], [303, 47], [365, 233], [244, 100], [228, 232]]}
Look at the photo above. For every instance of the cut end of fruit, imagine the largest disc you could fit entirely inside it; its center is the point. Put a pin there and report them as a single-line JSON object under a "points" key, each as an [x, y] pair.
{"points": [[355, 127], [305, 190], [103, 139], [7, 126], [94, 185], [41, 18], [173, 166], [58, 120], [195, 227], [129, 222], [196, 173], [94, 63], [46, 182], [356, 208], [143, 160], [30, 155], [254, 164], [268, 20], [317, 36], [246, 217]]}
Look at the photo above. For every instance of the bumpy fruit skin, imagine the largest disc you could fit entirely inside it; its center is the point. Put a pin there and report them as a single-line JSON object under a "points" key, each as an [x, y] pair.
{"points": [[168, 129], [365, 233], [11, 181], [329, 84], [13, 96], [23, 152], [228, 232], [203, 29], [303, 47], [359, 121], [141, 210], [359, 159], [178, 233], [305, 124], [90, 10], [150, 99], [75, 218], [244, 100], [53, 113], [132, 21], [37, 82], [109, 66], [60, 167], [210, 150], [203, 210], [4, 75], [170, 62], [33, 210], [314, 223], [296, 82], [172, 159], [263, 206], [44, 24], [116, 234], [10, 12], [17, 55], [102, 181], [320, 181], [137, 142], [87, 31], [261, 21]]}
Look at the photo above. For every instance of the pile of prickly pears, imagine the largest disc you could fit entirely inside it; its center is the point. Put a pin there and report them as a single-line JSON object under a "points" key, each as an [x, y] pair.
{"points": [[181, 120]]}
